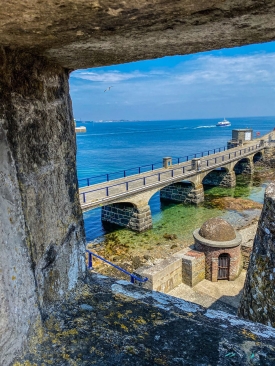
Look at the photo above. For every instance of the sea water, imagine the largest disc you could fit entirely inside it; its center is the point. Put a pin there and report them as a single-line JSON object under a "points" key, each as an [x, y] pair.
{"points": [[110, 147]]}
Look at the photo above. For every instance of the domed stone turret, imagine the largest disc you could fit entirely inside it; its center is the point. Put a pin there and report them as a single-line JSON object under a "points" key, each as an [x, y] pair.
{"points": [[221, 244], [217, 229]]}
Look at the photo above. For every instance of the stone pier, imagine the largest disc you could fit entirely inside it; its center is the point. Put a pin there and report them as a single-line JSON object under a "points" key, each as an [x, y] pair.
{"points": [[136, 218], [185, 192], [221, 178]]}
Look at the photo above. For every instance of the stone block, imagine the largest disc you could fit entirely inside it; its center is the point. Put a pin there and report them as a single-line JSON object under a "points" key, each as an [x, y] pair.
{"points": [[193, 267], [164, 276]]}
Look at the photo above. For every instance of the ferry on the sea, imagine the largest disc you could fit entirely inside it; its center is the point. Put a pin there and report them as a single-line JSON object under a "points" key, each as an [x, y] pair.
{"points": [[223, 123]]}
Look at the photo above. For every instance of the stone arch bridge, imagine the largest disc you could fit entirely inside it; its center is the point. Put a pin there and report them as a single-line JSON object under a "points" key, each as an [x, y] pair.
{"points": [[125, 201]]}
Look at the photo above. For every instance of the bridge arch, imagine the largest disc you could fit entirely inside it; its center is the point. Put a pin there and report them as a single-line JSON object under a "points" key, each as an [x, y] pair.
{"points": [[258, 156], [221, 177], [244, 166], [184, 191]]}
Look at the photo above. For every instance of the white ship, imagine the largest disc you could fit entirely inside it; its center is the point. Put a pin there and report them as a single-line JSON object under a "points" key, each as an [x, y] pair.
{"points": [[223, 123]]}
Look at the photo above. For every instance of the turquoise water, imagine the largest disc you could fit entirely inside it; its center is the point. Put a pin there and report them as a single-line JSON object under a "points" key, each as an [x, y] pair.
{"points": [[110, 147]]}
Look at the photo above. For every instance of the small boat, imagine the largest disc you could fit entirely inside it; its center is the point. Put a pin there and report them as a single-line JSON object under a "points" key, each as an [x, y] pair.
{"points": [[223, 123]]}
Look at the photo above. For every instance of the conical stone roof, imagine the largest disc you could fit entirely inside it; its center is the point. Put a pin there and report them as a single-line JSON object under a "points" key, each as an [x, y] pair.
{"points": [[217, 229]]}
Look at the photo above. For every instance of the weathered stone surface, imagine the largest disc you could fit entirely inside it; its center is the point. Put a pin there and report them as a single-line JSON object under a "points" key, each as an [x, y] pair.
{"points": [[258, 301], [130, 326], [217, 229], [41, 226], [80, 34]]}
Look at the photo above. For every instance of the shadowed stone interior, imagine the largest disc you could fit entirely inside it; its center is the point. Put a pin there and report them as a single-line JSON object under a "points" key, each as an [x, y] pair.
{"points": [[217, 229]]}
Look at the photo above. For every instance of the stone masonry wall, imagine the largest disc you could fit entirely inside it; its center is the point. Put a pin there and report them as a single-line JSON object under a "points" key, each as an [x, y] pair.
{"points": [[163, 276], [258, 299], [42, 243], [220, 178], [125, 215], [183, 192], [211, 261]]}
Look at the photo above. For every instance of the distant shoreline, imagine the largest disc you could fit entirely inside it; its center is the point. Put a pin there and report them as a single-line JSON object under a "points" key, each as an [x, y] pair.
{"points": [[164, 120]]}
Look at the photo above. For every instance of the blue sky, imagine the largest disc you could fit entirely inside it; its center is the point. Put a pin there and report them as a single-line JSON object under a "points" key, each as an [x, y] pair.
{"points": [[227, 83]]}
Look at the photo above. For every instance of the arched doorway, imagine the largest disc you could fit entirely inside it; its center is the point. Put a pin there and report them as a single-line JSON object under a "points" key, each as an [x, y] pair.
{"points": [[223, 266]]}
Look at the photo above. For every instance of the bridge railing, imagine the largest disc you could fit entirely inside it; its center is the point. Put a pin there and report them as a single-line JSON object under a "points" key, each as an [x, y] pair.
{"points": [[133, 277], [173, 172], [84, 182]]}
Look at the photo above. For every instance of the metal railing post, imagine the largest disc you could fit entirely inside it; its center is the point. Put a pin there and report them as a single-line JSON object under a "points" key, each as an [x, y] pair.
{"points": [[90, 260], [84, 197], [107, 191]]}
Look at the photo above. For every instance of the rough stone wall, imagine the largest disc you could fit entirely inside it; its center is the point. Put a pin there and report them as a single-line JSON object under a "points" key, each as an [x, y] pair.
{"points": [[135, 218], [41, 226], [220, 178], [182, 192], [211, 261], [258, 300]]}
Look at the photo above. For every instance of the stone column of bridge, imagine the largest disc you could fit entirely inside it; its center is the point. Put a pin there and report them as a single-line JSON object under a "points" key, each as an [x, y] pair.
{"points": [[135, 217], [41, 226], [185, 192]]}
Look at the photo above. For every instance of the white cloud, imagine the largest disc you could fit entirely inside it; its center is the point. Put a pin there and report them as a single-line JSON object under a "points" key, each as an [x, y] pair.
{"points": [[204, 83], [110, 77]]}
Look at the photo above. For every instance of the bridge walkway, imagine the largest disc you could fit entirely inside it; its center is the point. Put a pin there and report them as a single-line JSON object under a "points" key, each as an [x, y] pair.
{"points": [[107, 192]]}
